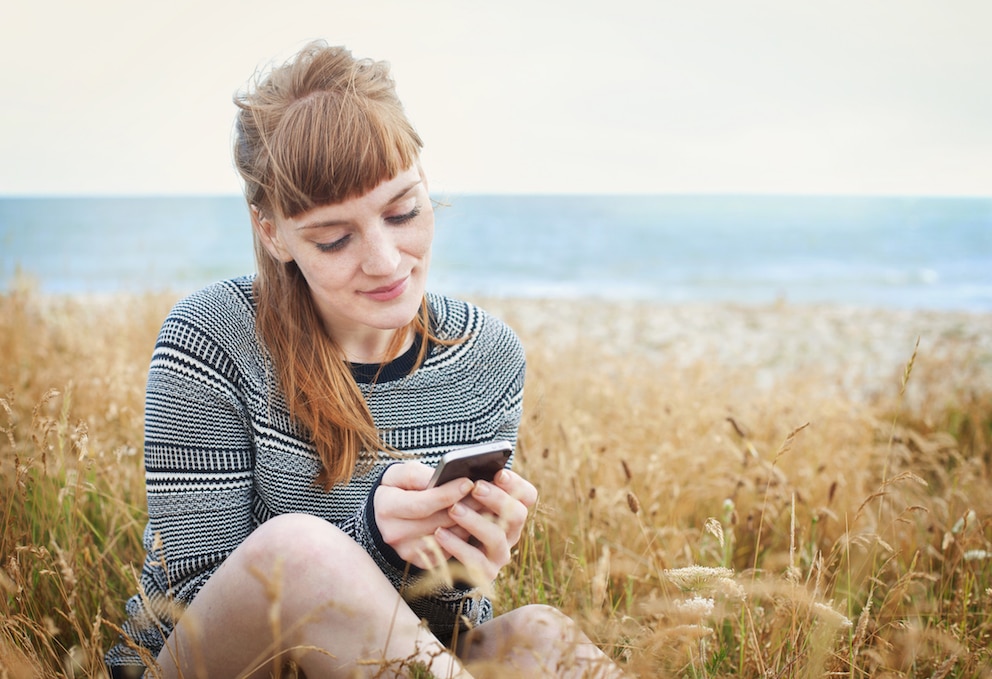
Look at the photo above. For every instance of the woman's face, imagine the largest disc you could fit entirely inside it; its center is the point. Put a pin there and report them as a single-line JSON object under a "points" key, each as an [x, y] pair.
{"points": [[365, 260]]}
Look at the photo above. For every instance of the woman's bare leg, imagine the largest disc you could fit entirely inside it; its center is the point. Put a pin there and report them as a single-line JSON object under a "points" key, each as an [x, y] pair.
{"points": [[534, 641], [298, 588]]}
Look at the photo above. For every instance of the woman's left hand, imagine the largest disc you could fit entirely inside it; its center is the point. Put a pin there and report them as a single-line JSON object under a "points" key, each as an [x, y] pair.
{"points": [[494, 520]]}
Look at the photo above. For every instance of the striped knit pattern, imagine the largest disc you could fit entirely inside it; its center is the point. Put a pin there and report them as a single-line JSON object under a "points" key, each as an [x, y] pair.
{"points": [[222, 454]]}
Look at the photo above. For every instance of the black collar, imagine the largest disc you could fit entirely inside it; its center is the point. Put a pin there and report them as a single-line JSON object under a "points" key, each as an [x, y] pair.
{"points": [[398, 368]]}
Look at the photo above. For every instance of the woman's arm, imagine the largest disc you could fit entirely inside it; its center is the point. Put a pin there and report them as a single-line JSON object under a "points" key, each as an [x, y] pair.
{"points": [[198, 457]]}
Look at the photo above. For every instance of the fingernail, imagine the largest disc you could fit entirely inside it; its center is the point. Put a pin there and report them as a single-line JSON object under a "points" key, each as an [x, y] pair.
{"points": [[482, 489], [457, 509], [466, 487]]}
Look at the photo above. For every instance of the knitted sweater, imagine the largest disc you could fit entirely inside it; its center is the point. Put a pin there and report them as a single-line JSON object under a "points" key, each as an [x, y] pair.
{"points": [[222, 454]]}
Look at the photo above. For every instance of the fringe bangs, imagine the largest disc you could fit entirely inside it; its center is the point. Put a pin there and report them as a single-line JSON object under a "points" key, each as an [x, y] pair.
{"points": [[334, 146]]}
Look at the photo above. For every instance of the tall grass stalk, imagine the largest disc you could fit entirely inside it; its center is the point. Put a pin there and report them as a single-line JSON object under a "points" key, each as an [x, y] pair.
{"points": [[695, 521]]}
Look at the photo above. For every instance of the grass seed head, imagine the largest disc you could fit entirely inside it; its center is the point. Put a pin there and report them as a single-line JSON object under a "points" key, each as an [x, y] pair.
{"points": [[633, 503]]}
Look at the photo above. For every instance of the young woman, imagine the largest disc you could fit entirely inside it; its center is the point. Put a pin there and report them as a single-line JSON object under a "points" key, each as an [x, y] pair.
{"points": [[293, 419]]}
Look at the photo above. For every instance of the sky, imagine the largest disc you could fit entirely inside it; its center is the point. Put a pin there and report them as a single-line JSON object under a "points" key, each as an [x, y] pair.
{"points": [[876, 97]]}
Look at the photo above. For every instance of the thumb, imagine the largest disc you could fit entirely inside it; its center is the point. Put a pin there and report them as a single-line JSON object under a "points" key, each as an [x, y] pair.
{"points": [[413, 475]]}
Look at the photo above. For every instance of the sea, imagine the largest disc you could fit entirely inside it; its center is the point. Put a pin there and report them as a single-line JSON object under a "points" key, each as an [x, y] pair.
{"points": [[885, 252]]}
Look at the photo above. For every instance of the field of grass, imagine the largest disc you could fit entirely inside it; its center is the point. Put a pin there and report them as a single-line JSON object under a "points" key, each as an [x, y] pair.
{"points": [[696, 521]]}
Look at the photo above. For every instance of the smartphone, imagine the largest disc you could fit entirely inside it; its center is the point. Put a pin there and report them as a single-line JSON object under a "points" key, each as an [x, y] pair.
{"points": [[479, 463]]}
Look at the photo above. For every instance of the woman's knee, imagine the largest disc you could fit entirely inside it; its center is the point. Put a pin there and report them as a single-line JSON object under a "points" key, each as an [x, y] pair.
{"points": [[530, 628], [534, 640], [299, 543], [535, 621]]}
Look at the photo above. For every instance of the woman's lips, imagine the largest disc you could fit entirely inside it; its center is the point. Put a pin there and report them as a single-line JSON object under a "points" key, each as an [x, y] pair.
{"points": [[388, 292]]}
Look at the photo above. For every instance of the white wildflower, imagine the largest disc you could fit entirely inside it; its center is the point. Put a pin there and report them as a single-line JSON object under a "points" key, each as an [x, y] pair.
{"points": [[729, 588], [697, 606], [828, 615], [692, 578], [714, 581], [976, 555]]}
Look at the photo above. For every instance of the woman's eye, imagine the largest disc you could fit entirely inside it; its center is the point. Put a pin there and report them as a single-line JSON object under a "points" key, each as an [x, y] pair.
{"points": [[405, 217], [334, 245]]}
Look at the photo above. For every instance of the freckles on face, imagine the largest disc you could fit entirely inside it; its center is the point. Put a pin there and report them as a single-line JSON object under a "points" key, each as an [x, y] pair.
{"points": [[366, 259]]}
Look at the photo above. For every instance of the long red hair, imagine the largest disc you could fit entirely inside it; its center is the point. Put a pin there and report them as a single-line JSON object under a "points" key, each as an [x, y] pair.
{"points": [[320, 129]]}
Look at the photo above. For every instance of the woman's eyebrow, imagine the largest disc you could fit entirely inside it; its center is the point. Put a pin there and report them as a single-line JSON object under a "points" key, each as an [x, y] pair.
{"points": [[324, 223], [403, 192]]}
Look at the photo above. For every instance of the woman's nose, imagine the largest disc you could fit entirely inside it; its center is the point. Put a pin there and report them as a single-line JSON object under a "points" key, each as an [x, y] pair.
{"points": [[381, 256]]}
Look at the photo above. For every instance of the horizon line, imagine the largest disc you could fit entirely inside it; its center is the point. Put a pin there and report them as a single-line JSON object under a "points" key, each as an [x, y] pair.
{"points": [[496, 194]]}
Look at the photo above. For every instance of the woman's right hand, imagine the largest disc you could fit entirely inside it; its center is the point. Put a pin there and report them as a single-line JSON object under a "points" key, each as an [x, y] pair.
{"points": [[407, 513]]}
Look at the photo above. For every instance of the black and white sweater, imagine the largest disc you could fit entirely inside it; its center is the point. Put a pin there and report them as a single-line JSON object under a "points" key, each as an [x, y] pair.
{"points": [[222, 454]]}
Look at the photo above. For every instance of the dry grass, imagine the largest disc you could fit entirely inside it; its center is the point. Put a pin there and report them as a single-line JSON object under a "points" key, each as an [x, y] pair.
{"points": [[698, 522]]}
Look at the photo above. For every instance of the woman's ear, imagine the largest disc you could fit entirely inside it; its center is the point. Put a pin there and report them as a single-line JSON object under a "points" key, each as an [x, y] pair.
{"points": [[269, 235]]}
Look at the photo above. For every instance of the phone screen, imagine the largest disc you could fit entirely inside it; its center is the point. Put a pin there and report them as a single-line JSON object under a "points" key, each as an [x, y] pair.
{"points": [[478, 463]]}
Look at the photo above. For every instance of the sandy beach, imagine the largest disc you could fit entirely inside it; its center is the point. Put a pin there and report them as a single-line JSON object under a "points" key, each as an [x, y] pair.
{"points": [[860, 350], [857, 351]]}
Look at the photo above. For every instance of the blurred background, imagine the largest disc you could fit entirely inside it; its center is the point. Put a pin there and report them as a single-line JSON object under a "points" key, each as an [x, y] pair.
{"points": [[712, 151]]}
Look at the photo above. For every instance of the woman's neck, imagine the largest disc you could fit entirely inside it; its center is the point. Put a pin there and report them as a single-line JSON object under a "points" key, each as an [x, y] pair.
{"points": [[376, 347]]}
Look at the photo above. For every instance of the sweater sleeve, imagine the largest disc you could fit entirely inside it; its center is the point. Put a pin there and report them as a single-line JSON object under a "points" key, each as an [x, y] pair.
{"points": [[198, 458]]}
